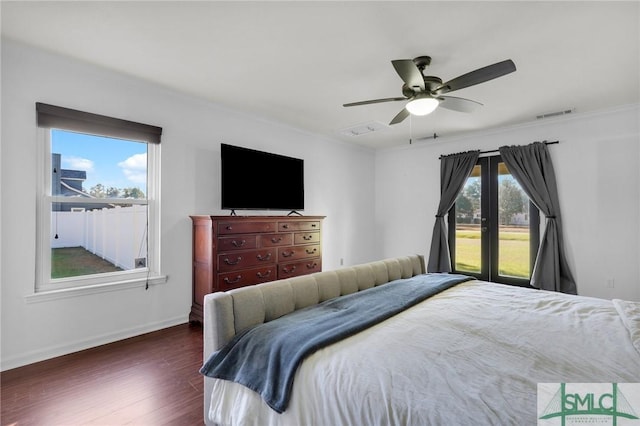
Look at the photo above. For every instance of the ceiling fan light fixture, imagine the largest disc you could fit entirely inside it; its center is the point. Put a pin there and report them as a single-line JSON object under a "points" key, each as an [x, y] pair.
{"points": [[422, 105], [423, 94]]}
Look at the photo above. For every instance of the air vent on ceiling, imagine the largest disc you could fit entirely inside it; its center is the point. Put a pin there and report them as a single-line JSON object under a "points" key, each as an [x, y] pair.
{"points": [[555, 114], [363, 129]]}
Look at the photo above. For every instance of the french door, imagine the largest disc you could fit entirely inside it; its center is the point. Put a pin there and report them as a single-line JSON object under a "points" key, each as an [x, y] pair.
{"points": [[494, 229]]}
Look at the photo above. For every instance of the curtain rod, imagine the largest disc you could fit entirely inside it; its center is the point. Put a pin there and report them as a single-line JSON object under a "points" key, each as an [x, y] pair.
{"points": [[497, 150]]}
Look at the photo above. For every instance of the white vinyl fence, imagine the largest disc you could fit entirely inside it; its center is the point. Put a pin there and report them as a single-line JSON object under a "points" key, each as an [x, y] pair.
{"points": [[117, 235]]}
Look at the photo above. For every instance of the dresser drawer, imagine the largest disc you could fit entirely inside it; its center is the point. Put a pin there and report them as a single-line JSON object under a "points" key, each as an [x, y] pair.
{"points": [[304, 267], [299, 225], [274, 240], [286, 254], [238, 227], [306, 238], [235, 260], [245, 277], [239, 242]]}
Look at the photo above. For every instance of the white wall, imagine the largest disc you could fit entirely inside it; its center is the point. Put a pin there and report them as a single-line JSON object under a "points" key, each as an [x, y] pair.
{"points": [[338, 179], [597, 165]]}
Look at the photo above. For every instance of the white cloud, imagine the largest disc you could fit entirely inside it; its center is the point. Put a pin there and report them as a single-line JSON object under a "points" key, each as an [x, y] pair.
{"points": [[135, 168], [77, 163]]}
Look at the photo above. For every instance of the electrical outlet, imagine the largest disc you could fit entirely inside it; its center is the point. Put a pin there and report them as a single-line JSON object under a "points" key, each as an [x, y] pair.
{"points": [[611, 283], [140, 262]]}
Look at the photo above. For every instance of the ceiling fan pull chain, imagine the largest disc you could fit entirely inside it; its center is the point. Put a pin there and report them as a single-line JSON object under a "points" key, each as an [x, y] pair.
{"points": [[410, 130]]}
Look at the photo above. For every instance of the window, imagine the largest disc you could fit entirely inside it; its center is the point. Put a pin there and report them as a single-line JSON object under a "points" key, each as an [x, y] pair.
{"points": [[98, 209], [493, 226]]}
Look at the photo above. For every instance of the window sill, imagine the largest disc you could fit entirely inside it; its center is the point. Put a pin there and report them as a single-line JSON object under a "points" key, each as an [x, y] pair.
{"points": [[45, 296]]}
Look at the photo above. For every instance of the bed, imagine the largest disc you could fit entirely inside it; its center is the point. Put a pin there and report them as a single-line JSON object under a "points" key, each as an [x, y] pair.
{"points": [[471, 353]]}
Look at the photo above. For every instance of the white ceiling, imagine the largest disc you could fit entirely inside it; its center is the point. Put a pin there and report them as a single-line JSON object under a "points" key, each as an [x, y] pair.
{"points": [[297, 62]]}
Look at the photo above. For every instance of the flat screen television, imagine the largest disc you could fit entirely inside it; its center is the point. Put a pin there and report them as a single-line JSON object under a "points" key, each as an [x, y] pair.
{"points": [[258, 180]]}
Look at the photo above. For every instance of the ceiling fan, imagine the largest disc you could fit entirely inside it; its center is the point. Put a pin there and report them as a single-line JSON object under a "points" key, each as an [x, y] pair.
{"points": [[424, 93]]}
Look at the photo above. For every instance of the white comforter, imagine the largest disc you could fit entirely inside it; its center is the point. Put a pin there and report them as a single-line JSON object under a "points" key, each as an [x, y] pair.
{"points": [[472, 355]]}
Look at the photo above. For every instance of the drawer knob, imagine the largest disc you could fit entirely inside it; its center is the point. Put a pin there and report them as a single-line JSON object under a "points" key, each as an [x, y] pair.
{"points": [[276, 240], [230, 262], [237, 243], [311, 251], [285, 226], [228, 281], [288, 270], [307, 237], [312, 265], [229, 227], [313, 225], [288, 253], [265, 275], [263, 258]]}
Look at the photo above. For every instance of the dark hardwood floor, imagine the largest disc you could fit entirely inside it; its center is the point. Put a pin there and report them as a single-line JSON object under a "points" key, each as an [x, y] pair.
{"points": [[151, 379]]}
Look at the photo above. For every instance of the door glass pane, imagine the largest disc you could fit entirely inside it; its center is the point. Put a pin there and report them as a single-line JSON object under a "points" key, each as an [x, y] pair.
{"points": [[468, 248], [94, 227], [513, 227]]}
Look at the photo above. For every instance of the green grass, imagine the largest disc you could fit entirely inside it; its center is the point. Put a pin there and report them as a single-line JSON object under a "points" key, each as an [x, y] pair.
{"points": [[76, 261], [468, 252], [513, 252], [504, 236]]}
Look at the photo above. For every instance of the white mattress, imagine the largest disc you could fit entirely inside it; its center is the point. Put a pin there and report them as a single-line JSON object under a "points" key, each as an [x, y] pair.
{"points": [[470, 355]]}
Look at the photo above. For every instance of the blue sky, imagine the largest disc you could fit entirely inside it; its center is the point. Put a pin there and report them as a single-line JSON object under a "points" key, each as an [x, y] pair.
{"points": [[111, 162]]}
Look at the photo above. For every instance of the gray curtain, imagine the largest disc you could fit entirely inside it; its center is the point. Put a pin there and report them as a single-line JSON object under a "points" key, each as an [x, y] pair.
{"points": [[454, 171], [531, 166]]}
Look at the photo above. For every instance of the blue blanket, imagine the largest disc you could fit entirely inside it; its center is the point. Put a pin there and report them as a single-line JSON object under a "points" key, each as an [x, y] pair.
{"points": [[265, 358]]}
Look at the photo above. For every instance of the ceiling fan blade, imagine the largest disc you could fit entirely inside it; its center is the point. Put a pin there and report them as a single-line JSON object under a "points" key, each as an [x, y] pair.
{"points": [[458, 104], [400, 116], [374, 101], [409, 73], [478, 76]]}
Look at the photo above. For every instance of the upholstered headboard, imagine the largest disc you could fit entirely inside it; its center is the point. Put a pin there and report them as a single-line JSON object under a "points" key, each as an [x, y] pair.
{"points": [[227, 313]]}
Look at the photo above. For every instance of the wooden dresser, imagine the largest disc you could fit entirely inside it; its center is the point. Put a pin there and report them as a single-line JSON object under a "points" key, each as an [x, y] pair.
{"points": [[237, 251]]}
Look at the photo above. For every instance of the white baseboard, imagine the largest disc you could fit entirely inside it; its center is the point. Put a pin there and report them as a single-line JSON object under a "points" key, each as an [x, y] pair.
{"points": [[43, 354]]}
